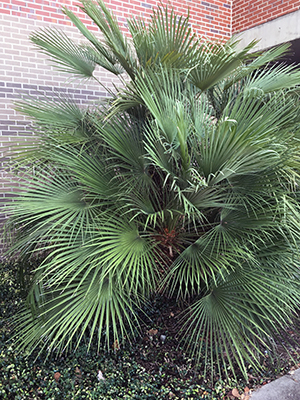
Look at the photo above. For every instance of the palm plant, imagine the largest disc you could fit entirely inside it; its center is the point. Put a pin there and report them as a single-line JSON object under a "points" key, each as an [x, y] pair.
{"points": [[185, 182]]}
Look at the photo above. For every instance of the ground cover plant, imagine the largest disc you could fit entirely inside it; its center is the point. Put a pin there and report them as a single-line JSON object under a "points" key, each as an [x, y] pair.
{"points": [[184, 183]]}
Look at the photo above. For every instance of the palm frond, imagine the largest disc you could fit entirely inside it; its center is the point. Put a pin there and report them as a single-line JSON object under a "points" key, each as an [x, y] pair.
{"points": [[166, 40], [60, 113], [114, 39], [68, 56], [101, 54], [72, 312], [216, 62], [258, 61], [239, 314], [273, 79]]}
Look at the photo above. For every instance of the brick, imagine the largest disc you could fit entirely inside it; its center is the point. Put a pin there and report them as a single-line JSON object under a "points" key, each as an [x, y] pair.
{"points": [[11, 96], [44, 88], [29, 86], [73, 91]]}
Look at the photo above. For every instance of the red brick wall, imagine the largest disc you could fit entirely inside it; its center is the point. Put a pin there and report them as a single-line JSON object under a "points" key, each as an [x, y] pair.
{"points": [[210, 17], [249, 13], [23, 68]]}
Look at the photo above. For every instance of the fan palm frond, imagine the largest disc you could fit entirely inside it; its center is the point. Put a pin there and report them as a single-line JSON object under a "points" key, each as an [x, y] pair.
{"points": [[69, 57]]}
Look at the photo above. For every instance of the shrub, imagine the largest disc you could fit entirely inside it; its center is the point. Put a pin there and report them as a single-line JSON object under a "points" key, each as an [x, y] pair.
{"points": [[184, 182]]}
